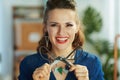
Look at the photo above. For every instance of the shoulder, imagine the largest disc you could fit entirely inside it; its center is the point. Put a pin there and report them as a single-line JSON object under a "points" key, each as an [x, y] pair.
{"points": [[88, 59], [33, 60], [29, 64], [92, 62], [83, 55], [30, 58]]}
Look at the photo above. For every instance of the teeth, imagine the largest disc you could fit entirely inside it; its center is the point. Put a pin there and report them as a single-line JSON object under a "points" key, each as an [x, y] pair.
{"points": [[62, 39]]}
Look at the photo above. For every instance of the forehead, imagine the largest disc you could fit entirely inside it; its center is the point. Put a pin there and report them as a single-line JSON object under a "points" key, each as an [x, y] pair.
{"points": [[61, 14]]}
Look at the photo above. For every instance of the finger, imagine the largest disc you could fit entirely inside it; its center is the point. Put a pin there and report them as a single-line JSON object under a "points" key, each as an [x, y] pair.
{"points": [[81, 69], [42, 71], [81, 74], [83, 78], [72, 68], [37, 75], [68, 63], [45, 68], [48, 67], [38, 71]]}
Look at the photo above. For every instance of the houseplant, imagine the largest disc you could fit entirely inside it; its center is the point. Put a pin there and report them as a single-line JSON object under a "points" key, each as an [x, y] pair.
{"points": [[92, 21]]}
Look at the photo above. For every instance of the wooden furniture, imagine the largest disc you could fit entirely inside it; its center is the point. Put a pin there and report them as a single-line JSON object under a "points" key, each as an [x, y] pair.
{"points": [[27, 29], [116, 57], [27, 35]]}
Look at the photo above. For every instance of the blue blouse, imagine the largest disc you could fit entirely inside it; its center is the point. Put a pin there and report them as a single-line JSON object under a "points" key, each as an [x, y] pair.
{"points": [[93, 64]]}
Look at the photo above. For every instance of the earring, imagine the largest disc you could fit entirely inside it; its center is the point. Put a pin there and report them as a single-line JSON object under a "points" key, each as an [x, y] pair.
{"points": [[46, 39]]}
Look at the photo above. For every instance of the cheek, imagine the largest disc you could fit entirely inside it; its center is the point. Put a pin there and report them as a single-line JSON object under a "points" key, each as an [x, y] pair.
{"points": [[73, 30], [50, 30], [72, 33], [76, 29], [51, 34]]}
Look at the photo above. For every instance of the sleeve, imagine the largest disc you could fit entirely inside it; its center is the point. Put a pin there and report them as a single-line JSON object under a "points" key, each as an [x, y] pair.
{"points": [[25, 73], [97, 72]]}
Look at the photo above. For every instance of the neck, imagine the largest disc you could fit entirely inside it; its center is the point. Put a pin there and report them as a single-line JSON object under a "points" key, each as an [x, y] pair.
{"points": [[62, 53]]}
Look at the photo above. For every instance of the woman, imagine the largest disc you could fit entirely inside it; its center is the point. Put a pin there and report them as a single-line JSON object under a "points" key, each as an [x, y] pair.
{"points": [[59, 56]]}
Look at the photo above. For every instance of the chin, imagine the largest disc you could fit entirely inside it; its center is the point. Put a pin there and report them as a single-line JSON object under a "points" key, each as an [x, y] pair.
{"points": [[62, 47]]}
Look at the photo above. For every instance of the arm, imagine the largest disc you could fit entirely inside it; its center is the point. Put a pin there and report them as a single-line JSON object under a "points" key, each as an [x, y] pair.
{"points": [[24, 71], [96, 72]]}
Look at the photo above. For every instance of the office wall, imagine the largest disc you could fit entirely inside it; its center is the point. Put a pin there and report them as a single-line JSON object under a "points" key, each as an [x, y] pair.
{"points": [[6, 35], [6, 41], [0, 36]]}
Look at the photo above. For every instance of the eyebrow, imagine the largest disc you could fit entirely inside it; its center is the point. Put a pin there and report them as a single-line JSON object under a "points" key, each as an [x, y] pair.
{"points": [[65, 23], [69, 23], [52, 22]]}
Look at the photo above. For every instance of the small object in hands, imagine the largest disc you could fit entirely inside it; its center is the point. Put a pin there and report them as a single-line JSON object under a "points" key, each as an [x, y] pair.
{"points": [[54, 62], [64, 60], [60, 70]]}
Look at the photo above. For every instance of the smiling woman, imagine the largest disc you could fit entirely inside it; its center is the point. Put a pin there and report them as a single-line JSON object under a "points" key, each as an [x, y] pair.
{"points": [[60, 24], [59, 54]]}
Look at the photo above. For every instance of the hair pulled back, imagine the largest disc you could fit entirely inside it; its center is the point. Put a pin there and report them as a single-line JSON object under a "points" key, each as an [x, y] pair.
{"points": [[60, 4]]}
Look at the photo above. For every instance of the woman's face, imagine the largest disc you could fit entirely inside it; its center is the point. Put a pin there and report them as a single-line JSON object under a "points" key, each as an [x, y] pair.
{"points": [[61, 27]]}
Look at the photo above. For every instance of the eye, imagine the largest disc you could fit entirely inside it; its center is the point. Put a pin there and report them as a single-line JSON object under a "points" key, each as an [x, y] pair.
{"points": [[69, 25], [53, 25]]}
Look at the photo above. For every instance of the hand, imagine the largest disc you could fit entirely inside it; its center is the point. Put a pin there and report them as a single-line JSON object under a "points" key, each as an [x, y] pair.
{"points": [[81, 72], [42, 73]]}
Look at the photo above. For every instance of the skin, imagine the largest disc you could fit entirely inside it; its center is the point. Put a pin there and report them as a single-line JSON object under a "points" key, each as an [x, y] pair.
{"points": [[61, 27]]}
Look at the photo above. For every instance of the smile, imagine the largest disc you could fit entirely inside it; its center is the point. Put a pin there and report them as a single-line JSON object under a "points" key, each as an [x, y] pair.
{"points": [[62, 40]]}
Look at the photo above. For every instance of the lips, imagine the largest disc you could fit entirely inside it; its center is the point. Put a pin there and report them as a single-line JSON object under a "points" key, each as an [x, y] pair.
{"points": [[61, 40]]}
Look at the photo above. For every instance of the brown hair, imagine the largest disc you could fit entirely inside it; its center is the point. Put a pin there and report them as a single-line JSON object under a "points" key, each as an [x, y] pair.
{"points": [[61, 4]]}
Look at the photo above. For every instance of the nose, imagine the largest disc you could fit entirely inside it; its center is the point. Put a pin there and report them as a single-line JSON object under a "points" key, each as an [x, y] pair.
{"points": [[61, 30]]}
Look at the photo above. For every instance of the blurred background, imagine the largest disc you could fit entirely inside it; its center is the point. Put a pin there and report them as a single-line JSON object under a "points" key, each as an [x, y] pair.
{"points": [[21, 29]]}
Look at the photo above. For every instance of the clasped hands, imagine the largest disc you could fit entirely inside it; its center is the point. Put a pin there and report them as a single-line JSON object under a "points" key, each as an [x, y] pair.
{"points": [[43, 72]]}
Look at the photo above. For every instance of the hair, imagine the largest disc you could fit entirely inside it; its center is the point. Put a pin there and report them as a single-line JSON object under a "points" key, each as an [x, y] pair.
{"points": [[61, 4]]}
